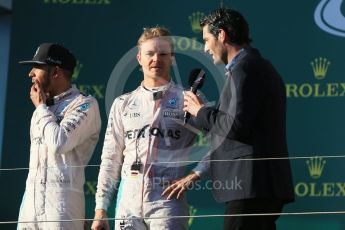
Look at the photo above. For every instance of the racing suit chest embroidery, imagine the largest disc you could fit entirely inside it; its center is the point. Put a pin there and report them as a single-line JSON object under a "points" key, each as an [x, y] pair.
{"points": [[137, 114]]}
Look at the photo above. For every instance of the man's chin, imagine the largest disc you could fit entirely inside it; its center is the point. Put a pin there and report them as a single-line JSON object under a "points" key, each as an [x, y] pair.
{"points": [[217, 62], [160, 78]]}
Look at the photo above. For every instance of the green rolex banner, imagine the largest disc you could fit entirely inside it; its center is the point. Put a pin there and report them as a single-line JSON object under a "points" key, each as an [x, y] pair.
{"points": [[304, 40]]}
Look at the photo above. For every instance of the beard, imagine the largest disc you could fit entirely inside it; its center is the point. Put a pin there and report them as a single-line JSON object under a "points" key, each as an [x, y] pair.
{"points": [[47, 80], [224, 57]]}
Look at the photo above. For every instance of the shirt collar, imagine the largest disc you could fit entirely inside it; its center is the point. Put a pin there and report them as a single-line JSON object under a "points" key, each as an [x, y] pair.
{"points": [[231, 64]]}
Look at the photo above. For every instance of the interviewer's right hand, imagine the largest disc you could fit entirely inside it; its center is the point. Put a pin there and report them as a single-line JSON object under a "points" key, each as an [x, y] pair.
{"points": [[192, 103], [100, 224]]}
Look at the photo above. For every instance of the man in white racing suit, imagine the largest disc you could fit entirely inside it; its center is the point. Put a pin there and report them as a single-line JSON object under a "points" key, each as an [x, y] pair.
{"points": [[147, 146], [64, 131]]}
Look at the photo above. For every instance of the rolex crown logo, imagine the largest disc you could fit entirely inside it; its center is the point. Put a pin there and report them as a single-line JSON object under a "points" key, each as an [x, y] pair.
{"points": [[194, 20], [315, 166], [77, 69], [320, 67]]}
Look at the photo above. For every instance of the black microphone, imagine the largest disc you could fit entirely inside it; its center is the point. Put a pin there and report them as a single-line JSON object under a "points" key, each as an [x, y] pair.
{"points": [[196, 81]]}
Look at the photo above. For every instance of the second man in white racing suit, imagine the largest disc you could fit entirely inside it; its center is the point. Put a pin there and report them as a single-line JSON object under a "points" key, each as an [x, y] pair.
{"points": [[146, 146]]}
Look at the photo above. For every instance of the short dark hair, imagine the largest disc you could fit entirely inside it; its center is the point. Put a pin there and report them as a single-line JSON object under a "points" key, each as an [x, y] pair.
{"points": [[231, 21]]}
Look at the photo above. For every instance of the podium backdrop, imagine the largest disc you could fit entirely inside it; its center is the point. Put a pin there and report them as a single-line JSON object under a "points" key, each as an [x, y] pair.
{"points": [[305, 41]]}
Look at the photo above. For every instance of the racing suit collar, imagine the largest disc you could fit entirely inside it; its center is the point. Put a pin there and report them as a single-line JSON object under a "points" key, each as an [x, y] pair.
{"points": [[156, 92], [65, 94], [155, 89]]}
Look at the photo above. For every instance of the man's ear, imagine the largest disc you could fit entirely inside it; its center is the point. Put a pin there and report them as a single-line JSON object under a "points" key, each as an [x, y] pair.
{"points": [[139, 57], [172, 59], [222, 36], [55, 72]]}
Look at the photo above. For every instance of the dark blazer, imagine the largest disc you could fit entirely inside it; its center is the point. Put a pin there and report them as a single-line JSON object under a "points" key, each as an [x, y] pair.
{"points": [[249, 124]]}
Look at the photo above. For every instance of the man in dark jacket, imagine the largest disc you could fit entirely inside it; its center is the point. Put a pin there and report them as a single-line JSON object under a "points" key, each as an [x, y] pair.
{"points": [[247, 128]]}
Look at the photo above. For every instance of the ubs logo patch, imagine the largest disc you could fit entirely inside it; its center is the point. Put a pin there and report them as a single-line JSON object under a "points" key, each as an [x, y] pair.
{"points": [[132, 115]]}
